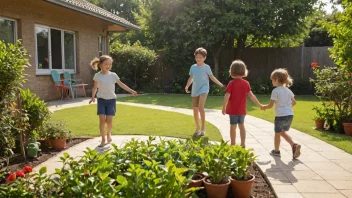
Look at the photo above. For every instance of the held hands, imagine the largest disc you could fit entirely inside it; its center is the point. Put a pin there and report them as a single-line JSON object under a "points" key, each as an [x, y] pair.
{"points": [[92, 100], [263, 107]]}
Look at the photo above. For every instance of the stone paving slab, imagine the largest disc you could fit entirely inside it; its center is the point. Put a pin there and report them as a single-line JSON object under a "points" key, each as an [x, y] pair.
{"points": [[321, 171]]}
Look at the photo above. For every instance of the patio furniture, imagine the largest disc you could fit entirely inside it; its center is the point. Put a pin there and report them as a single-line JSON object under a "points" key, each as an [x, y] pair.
{"points": [[76, 83], [61, 85]]}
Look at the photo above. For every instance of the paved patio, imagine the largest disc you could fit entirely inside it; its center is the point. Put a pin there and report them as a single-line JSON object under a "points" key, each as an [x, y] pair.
{"points": [[322, 171]]}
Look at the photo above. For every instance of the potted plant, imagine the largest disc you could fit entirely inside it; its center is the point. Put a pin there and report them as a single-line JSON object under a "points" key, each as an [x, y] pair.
{"points": [[241, 179], [347, 124], [57, 134], [319, 118], [217, 164]]}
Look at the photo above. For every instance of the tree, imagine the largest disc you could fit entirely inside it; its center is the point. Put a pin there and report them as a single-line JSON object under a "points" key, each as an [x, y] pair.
{"points": [[341, 30], [218, 24]]}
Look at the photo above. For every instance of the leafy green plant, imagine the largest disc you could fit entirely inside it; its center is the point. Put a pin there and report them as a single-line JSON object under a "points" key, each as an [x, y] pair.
{"points": [[261, 86], [243, 160], [36, 109], [55, 130], [13, 61], [333, 84], [216, 90], [133, 63], [320, 113], [178, 84], [217, 162]]}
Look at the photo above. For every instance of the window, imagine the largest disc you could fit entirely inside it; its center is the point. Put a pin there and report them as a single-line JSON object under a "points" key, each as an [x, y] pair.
{"points": [[8, 33], [101, 45], [56, 50]]}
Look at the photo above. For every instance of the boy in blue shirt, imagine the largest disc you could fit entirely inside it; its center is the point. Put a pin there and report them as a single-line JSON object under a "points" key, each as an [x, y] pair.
{"points": [[199, 75]]}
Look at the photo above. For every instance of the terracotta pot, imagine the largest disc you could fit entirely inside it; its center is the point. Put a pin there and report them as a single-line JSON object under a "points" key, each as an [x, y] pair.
{"points": [[319, 124], [58, 144], [196, 182], [216, 190], [347, 127], [242, 189]]}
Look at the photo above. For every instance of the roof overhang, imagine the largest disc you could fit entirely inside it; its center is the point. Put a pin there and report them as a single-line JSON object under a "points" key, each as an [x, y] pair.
{"points": [[117, 27]]}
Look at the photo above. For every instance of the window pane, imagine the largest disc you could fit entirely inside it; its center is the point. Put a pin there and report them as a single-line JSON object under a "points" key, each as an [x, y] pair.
{"points": [[100, 45], [42, 47], [7, 31], [69, 50], [56, 49]]}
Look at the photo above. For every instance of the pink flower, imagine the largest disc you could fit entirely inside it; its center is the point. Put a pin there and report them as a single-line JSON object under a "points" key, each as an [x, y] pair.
{"points": [[85, 173], [11, 178], [19, 174], [314, 64], [148, 155]]}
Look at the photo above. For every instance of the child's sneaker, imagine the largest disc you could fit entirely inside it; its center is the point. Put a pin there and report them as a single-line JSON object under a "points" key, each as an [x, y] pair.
{"points": [[202, 133], [275, 153], [296, 151], [196, 133]]}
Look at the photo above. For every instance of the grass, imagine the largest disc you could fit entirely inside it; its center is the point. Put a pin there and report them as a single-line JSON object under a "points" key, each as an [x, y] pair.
{"points": [[302, 120], [83, 121]]}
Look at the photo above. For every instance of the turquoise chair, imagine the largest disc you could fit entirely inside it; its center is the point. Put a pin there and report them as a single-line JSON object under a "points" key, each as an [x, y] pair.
{"points": [[62, 84], [75, 83]]}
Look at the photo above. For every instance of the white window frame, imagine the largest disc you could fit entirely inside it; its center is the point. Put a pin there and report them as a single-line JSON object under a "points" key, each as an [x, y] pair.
{"points": [[103, 45], [15, 30], [60, 71]]}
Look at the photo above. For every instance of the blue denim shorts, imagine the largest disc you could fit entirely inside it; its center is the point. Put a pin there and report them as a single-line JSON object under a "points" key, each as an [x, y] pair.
{"points": [[237, 119], [283, 123], [106, 107]]}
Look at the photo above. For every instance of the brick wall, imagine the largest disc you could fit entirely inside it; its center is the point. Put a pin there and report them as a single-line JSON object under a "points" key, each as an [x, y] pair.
{"points": [[30, 12]]}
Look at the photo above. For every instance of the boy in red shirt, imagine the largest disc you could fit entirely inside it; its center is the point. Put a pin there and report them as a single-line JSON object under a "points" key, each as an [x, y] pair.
{"points": [[235, 100]]}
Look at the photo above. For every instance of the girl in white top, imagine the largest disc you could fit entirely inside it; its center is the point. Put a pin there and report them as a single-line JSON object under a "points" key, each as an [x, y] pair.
{"points": [[105, 81], [284, 100]]}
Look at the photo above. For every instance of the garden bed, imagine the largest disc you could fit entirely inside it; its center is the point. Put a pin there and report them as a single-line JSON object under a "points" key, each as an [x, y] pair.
{"points": [[17, 162]]}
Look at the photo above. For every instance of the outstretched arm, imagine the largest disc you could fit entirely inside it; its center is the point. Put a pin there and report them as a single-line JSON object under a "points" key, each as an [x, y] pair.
{"points": [[254, 99], [269, 106], [212, 77], [125, 87]]}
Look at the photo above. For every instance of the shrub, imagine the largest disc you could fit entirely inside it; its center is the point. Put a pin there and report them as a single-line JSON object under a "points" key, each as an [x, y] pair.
{"points": [[54, 130], [36, 109], [261, 86], [13, 60], [132, 64]]}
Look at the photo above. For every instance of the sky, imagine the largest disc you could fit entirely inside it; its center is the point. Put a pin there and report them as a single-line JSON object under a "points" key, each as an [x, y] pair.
{"points": [[328, 6]]}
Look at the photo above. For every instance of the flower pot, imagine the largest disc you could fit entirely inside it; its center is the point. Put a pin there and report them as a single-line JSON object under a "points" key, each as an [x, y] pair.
{"points": [[197, 180], [242, 189], [319, 124], [58, 144], [347, 127], [216, 190]]}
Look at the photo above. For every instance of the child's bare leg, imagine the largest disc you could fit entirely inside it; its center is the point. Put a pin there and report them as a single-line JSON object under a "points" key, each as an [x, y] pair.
{"points": [[196, 117], [277, 141], [287, 138], [202, 99], [102, 120], [109, 123], [233, 133], [242, 134]]}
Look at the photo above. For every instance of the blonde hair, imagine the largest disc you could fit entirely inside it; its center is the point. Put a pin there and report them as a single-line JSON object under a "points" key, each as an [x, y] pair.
{"points": [[201, 51], [238, 68], [95, 63], [282, 76]]}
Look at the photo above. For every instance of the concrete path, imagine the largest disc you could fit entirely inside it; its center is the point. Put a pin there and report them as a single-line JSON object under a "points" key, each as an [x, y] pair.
{"points": [[322, 171]]}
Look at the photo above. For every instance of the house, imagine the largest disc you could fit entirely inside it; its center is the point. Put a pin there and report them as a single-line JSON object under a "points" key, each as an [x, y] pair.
{"points": [[62, 35]]}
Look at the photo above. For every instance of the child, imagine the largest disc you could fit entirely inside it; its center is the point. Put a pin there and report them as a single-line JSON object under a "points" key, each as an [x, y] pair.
{"points": [[105, 81], [236, 98], [284, 100], [199, 75]]}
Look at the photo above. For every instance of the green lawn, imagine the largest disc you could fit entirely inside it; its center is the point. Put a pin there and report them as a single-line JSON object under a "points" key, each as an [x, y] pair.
{"points": [[83, 121], [302, 121]]}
